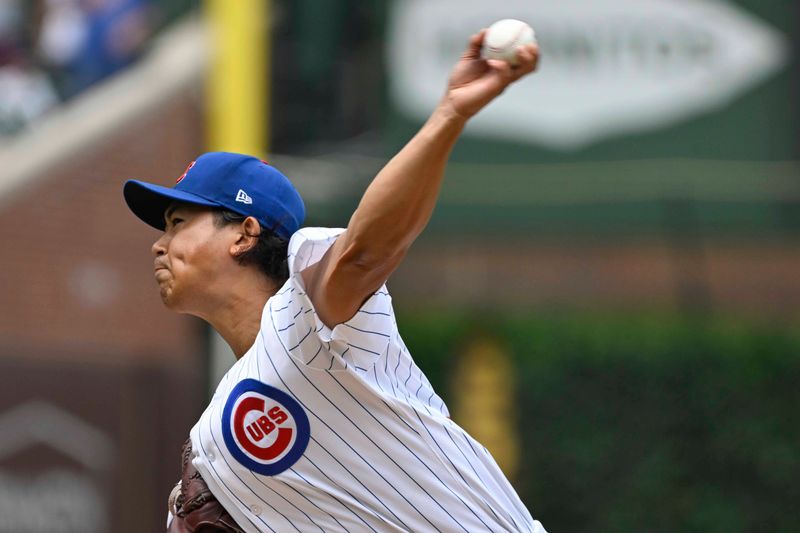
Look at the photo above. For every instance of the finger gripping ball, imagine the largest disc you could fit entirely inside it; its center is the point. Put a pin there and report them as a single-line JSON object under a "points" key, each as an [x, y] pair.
{"points": [[503, 37]]}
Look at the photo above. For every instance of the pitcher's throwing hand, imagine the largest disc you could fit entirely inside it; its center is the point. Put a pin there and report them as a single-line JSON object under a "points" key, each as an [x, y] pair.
{"points": [[476, 81]]}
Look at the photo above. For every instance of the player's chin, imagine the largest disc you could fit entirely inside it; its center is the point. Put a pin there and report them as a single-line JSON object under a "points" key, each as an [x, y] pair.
{"points": [[167, 296], [173, 301]]}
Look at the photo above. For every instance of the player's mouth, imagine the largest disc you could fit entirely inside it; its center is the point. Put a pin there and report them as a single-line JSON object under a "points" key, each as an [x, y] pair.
{"points": [[161, 272]]}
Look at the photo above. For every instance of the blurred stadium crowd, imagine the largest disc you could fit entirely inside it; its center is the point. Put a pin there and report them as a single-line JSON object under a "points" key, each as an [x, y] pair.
{"points": [[52, 50]]}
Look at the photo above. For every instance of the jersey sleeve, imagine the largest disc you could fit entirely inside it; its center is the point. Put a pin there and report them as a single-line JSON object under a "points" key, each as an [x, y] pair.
{"points": [[357, 343]]}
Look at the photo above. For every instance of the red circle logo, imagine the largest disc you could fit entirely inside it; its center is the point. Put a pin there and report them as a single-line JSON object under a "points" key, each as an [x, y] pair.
{"points": [[262, 427]]}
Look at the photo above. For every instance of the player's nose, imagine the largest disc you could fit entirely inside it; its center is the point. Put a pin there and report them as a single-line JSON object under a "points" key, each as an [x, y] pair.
{"points": [[160, 246]]}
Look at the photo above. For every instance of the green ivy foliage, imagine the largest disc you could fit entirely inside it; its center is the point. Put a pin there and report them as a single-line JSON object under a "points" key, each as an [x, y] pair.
{"points": [[643, 423]]}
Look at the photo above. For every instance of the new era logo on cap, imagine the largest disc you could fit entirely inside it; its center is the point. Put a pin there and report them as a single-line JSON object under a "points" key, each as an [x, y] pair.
{"points": [[243, 197]]}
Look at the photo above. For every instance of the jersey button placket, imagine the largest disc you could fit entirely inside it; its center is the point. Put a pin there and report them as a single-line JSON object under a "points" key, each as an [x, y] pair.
{"points": [[255, 509]]}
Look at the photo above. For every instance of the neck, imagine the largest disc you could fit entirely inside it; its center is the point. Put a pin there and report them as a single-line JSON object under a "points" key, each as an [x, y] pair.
{"points": [[237, 316]]}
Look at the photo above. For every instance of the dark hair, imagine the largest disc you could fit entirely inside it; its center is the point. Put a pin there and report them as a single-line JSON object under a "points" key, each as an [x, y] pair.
{"points": [[269, 253]]}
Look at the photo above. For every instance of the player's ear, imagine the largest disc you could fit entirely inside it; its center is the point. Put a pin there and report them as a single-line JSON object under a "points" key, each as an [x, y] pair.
{"points": [[246, 236]]}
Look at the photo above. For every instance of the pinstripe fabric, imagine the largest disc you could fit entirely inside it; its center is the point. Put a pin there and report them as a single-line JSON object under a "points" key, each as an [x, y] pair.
{"points": [[382, 454]]}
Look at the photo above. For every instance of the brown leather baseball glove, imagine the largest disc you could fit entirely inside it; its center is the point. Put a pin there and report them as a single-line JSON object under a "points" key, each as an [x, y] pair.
{"points": [[194, 508]]}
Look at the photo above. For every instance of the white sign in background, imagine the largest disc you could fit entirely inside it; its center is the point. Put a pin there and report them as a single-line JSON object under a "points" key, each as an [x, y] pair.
{"points": [[608, 67]]}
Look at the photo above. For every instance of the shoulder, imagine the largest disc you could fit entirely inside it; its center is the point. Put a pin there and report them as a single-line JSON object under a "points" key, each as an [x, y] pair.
{"points": [[290, 318], [308, 245]]}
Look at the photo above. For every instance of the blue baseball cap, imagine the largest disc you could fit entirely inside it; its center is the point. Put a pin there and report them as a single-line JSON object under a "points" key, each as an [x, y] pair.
{"points": [[236, 182]]}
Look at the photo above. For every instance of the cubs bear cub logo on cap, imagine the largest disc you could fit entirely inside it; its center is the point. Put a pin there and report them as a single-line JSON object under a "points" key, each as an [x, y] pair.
{"points": [[188, 168], [265, 429]]}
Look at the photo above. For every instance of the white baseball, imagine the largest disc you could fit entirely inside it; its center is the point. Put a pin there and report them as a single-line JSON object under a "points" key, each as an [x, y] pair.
{"points": [[503, 37]]}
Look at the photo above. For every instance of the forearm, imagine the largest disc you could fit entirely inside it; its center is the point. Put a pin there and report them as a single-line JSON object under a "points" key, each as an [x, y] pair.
{"points": [[399, 202]]}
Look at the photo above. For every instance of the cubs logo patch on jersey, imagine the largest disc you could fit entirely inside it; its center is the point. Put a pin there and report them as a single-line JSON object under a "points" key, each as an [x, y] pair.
{"points": [[264, 428]]}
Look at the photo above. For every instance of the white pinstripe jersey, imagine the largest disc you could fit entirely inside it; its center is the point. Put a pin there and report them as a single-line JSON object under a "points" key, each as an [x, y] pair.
{"points": [[338, 430]]}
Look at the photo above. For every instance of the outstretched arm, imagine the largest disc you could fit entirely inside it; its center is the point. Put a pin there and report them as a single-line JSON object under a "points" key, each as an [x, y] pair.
{"points": [[400, 200]]}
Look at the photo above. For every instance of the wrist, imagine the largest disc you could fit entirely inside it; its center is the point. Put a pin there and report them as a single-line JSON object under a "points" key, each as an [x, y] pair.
{"points": [[446, 113]]}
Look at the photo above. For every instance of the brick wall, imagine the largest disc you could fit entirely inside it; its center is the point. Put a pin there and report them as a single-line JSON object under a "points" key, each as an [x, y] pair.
{"points": [[85, 343], [76, 264]]}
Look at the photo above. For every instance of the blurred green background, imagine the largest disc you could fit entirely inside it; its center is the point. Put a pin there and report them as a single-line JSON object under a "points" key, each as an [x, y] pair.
{"points": [[642, 423]]}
